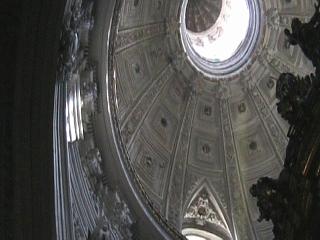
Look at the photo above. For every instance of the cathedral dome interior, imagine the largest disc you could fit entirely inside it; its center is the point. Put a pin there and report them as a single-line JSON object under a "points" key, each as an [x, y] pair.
{"points": [[190, 134], [163, 115]]}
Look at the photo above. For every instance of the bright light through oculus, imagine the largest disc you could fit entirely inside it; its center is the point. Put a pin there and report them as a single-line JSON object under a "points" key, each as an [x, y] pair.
{"points": [[193, 237], [223, 40]]}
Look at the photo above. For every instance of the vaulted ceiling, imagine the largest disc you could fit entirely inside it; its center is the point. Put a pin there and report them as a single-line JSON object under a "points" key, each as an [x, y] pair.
{"points": [[184, 131]]}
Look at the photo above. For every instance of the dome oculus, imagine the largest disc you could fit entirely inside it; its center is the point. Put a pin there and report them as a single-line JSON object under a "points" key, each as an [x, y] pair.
{"points": [[226, 45], [221, 41]]}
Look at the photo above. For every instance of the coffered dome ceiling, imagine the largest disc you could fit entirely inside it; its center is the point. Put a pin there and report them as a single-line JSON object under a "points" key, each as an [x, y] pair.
{"points": [[196, 143]]}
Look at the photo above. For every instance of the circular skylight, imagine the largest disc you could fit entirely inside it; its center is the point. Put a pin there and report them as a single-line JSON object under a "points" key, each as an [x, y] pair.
{"points": [[224, 38], [226, 46]]}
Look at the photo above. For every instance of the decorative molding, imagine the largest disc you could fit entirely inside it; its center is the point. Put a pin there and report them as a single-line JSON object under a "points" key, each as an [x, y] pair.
{"points": [[139, 112], [242, 225], [277, 137], [161, 222], [80, 186], [175, 196], [128, 38], [203, 211]]}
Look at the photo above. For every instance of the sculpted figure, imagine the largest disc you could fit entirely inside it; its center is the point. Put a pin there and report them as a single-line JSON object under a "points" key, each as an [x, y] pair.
{"points": [[285, 92], [87, 19], [78, 16], [103, 231], [272, 203], [307, 36], [285, 85], [292, 92], [69, 47], [265, 190]]}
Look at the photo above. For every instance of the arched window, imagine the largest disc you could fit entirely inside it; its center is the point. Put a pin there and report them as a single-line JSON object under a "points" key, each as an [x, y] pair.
{"points": [[196, 234], [195, 237]]}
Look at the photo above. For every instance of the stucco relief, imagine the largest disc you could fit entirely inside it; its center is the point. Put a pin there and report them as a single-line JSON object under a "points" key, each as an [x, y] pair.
{"points": [[203, 210]]}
